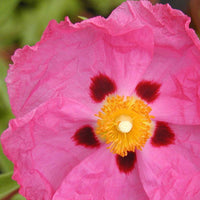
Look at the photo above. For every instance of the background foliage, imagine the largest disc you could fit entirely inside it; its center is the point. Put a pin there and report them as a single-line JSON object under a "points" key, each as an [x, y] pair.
{"points": [[23, 21]]}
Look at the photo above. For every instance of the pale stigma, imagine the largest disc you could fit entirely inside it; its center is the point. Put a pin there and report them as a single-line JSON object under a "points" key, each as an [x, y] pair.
{"points": [[125, 126]]}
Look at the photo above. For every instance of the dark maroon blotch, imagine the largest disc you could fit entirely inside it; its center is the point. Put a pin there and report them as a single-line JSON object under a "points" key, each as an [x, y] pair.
{"points": [[85, 136], [148, 90], [163, 135], [101, 86], [126, 164]]}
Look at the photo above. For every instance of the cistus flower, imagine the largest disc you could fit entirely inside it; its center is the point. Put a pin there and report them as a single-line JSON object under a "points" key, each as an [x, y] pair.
{"points": [[108, 108]]}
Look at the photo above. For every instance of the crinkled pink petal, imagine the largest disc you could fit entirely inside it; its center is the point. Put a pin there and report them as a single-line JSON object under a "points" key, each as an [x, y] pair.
{"points": [[41, 148], [175, 63], [98, 177], [179, 100], [68, 56], [172, 172], [121, 47], [170, 27], [136, 42]]}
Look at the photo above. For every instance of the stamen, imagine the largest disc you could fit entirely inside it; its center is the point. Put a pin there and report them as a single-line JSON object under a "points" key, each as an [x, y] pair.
{"points": [[125, 124]]}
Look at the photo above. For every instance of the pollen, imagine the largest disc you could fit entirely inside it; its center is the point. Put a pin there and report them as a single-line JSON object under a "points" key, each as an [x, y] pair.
{"points": [[124, 123]]}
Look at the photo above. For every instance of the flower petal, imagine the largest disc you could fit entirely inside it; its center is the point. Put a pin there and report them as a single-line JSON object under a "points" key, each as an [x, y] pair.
{"points": [[170, 26], [180, 87], [41, 146], [175, 64], [148, 90], [69, 56], [172, 172], [163, 135], [101, 85], [85, 136], [98, 177], [126, 164]]}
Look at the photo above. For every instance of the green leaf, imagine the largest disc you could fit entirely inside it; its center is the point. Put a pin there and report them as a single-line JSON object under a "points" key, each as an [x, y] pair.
{"points": [[18, 197], [7, 185], [104, 7], [5, 115], [3, 90], [82, 17], [5, 164], [35, 20], [5, 110], [6, 9]]}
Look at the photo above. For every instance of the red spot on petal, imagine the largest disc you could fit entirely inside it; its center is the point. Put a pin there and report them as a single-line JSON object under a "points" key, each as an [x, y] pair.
{"points": [[85, 136], [148, 90], [163, 135], [101, 86], [126, 164]]}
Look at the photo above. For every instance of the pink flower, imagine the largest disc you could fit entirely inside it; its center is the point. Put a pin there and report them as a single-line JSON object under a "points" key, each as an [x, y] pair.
{"points": [[149, 55]]}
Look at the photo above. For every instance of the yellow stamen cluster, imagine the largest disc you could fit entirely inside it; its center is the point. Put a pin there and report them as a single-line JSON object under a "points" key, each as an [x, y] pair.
{"points": [[124, 123]]}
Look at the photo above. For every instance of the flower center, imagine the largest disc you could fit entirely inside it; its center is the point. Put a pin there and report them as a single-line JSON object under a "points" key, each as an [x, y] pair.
{"points": [[124, 123], [125, 126]]}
